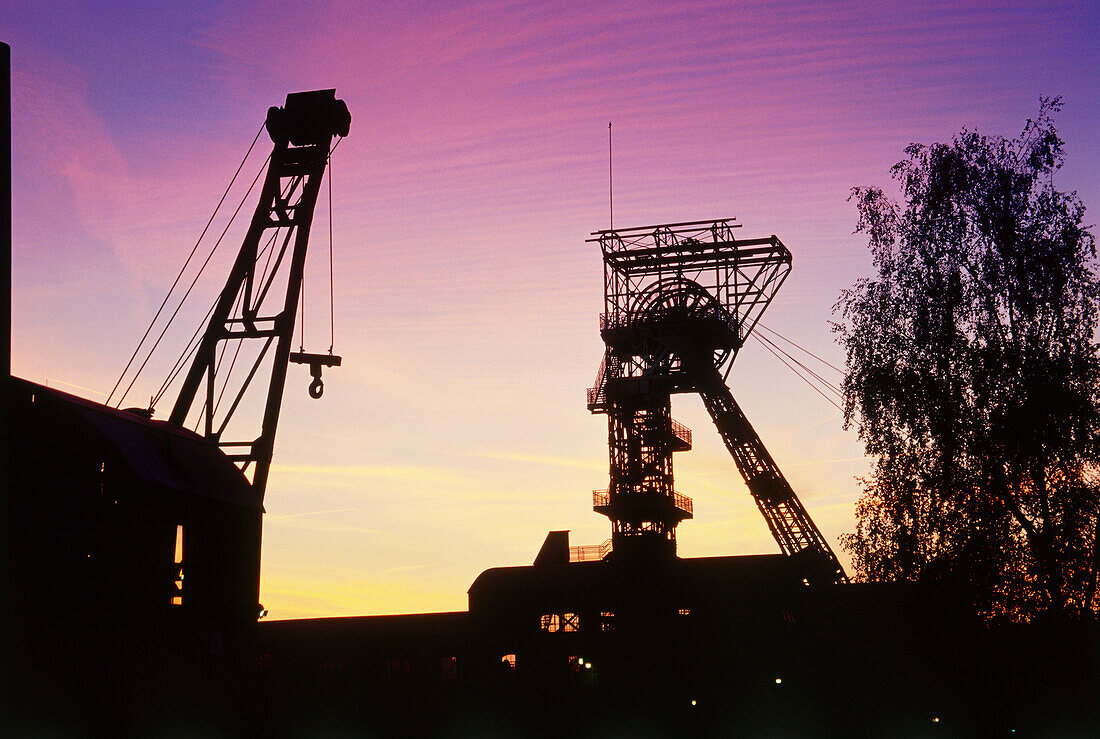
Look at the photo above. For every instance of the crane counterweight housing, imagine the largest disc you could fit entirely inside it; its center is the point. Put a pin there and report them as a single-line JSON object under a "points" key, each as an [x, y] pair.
{"points": [[307, 118]]}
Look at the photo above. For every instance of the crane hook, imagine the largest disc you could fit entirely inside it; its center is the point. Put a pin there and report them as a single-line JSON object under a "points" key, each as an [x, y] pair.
{"points": [[316, 363]]}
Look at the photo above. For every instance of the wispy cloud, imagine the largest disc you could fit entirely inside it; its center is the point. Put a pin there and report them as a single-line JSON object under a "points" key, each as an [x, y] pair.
{"points": [[323, 526], [818, 462], [289, 516], [397, 473], [539, 459], [53, 382]]}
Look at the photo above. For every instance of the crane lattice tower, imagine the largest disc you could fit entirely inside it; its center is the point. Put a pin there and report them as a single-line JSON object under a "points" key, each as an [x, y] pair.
{"points": [[259, 302]]}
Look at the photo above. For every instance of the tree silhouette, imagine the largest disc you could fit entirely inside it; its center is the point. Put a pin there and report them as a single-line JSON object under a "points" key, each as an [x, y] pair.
{"points": [[973, 376]]}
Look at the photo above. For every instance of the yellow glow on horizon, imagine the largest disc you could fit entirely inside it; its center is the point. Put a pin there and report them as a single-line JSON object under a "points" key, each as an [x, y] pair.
{"points": [[310, 597]]}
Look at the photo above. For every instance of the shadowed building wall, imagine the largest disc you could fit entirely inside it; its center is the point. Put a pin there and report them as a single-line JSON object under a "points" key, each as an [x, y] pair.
{"points": [[137, 556]]}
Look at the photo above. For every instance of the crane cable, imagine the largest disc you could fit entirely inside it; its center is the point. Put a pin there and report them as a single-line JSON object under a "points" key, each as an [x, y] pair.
{"points": [[783, 356], [185, 357], [834, 389], [269, 248], [796, 346], [193, 282], [192, 345], [331, 291], [302, 319], [182, 269], [331, 299], [801, 377]]}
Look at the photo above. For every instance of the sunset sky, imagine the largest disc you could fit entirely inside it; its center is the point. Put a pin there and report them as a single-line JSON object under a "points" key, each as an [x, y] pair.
{"points": [[455, 434]]}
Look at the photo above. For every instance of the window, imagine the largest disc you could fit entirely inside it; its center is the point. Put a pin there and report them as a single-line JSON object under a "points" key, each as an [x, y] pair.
{"points": [[685, 611], [553, 622], [508, 662], [607, 620], [570, 622], [177, 568]]}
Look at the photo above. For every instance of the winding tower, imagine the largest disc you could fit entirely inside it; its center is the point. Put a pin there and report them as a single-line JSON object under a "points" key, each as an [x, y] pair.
{"points": [[680, 300]]}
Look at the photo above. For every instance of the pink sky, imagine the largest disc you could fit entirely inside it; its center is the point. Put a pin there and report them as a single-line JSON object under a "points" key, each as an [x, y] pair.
{"points": [[455, 435]]}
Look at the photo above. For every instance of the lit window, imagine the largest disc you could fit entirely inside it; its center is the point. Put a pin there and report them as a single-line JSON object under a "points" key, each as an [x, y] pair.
{"points": [[570, 622], [552, 622], [177, 591], [179, 544], [607, 620], [685, 611], [508, 662]]}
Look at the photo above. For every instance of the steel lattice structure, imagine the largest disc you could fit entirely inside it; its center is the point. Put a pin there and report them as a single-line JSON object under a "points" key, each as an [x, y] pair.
{"points": [[660, 272], [679, 302], [259, 302]]}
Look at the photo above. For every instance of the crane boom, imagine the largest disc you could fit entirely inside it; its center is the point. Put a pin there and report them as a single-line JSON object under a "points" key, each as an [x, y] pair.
{"points": [[248, 309]]}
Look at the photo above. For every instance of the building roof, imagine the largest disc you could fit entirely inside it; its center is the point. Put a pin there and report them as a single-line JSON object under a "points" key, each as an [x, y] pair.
{"points": [[759, 573], [155, 452]]}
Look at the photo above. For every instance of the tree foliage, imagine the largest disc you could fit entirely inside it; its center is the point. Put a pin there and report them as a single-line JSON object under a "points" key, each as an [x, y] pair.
{"points": [[973, 376]]}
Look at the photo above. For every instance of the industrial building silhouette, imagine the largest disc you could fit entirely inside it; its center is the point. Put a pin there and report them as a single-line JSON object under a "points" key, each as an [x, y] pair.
{"points": [[133, 553]]}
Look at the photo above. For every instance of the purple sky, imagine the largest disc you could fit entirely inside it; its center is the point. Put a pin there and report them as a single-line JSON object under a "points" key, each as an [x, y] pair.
{"points": [[455, 434]]}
